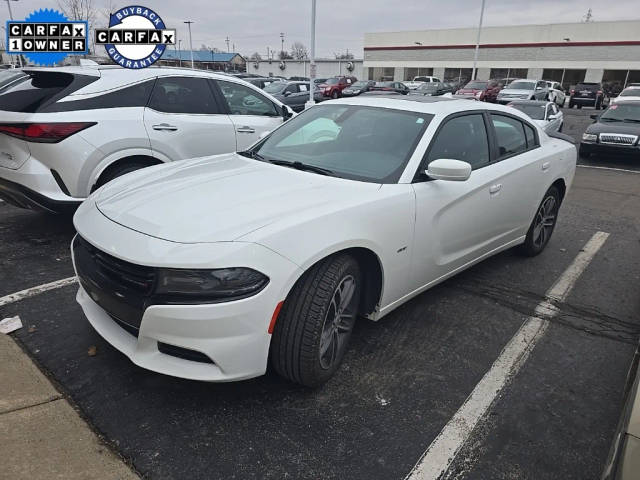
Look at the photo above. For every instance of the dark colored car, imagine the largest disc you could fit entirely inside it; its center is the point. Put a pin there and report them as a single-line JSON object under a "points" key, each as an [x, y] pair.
{"points": [[299, 79], [319, 80], [263, 82], [357, 88], [483, 90], [334, 86], [587, 94], [615, 131], [294, 94], [397, 87], [432, 89]]}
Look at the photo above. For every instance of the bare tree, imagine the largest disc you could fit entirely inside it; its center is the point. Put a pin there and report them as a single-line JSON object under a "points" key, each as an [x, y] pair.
{"points": [[284, 55], [344, 56], [255, 57], [299, 51], [80, 10]]}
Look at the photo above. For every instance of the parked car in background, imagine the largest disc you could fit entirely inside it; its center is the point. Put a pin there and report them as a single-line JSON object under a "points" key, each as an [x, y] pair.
{"points": [[357, 88], [556, 93], [507, 80], [213, 268], [417, 81], [262, 81], [332, 87], [483, 90], [65, 131], [524, 89], [390, 87], [547, 114], [294, 94], [587, 94], [299, 79], [432, 89], [614, 131], [319, 80], [628, 94]]}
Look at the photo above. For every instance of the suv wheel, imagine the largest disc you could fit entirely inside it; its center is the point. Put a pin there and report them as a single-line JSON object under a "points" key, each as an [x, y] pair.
{"points": [[314, 326], [334, 94]]}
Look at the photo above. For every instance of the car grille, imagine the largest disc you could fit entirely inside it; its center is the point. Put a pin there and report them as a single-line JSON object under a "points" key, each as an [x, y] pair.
{"points": [[618, 138], [121, 288]]}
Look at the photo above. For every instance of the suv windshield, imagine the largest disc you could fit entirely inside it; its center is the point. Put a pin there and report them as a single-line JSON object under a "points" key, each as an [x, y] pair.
{"points": [[520, 85], [332, 81], [476, 85], [534, 111], [428, 86], [275, 87], [626, 112], [630, 92], [355, 142], [588, 86]]}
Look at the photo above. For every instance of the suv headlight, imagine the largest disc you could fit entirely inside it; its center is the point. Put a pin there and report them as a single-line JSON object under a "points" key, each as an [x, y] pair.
{"points": [[589, 137], [221, 284]]}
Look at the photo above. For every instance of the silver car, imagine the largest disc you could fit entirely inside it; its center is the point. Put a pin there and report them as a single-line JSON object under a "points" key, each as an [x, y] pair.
{"points": [[545, 114], [524, 90]]}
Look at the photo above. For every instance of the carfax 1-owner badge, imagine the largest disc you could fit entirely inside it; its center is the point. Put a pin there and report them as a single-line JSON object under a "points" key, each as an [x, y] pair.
{"points": [[136, 37]]}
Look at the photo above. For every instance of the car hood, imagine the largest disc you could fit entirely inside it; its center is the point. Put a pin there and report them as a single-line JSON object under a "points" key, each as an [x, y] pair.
{"points": [[614, 127], [468, 90], [220, 198], [515, 91]]}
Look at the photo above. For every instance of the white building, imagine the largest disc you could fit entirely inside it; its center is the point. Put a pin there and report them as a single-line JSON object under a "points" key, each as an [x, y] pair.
{"points": [[300, 68], [607, 52]]}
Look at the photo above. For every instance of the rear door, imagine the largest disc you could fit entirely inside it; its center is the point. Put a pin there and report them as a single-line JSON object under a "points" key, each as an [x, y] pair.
{"points": [[250, 111], [298, 99], [184, 120]]}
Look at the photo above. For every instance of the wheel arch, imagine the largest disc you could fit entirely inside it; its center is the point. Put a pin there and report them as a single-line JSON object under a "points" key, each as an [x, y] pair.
{"points": [[106, 167], [561, 186]]}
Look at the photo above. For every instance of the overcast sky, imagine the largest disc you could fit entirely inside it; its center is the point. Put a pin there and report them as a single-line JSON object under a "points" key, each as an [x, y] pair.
{"points": [[254, 25]]}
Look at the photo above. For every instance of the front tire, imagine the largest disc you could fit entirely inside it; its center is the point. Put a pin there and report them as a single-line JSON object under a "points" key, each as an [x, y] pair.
{"points": [[314, 326], [542, 225], [335, 95]]}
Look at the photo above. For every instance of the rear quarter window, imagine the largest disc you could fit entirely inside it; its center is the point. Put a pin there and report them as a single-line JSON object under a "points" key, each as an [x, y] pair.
{"points": [[133, 96], [39, 89]]}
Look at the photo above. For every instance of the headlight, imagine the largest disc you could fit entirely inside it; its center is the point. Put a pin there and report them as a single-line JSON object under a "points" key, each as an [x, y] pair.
{"points": [[478, 95], [209, 285], [589, 137]]}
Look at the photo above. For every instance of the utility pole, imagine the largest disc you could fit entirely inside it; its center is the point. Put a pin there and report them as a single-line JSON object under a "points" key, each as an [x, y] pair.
{"points": [[180, 52], [11, 17], [281, 44], [189, 22], [588, 16], [312, 60], [475, 56], [227, 42]]}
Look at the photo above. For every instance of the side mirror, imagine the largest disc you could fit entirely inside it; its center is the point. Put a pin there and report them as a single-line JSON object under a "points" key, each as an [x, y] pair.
{"points": [[287, 113], [538, 88], [553, 116], [449, 169], [286, 94]]}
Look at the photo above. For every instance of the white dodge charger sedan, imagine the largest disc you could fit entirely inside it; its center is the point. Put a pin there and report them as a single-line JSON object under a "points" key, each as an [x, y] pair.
{"points": [[212, 268]]}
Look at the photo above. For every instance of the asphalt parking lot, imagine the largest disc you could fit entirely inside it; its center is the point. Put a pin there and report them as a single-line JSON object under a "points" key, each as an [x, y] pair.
{"points": [[403, 379]]}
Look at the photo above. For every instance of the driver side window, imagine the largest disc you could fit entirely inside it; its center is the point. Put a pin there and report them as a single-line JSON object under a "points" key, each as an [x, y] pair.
{"points": [[462, 138], [243, 100]]}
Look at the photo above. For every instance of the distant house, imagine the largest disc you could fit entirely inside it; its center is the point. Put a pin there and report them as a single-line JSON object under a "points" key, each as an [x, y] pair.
{"points": [[203, 59]]}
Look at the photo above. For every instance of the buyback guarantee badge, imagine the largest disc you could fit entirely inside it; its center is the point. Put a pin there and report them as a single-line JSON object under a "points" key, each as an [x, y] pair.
{"points": [[46, 37], [136, 38]]}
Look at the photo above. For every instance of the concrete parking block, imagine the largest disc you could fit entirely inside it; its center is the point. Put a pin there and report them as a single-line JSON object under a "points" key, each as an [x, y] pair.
{"points": [[23, 385], [51, 441]]}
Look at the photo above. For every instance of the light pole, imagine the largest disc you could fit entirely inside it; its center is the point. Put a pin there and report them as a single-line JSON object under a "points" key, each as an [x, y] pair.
{"points": [[226, 40], [189, 22], [475, 56], [11, 17], [281, 45], [180, 52], [312, 60]]}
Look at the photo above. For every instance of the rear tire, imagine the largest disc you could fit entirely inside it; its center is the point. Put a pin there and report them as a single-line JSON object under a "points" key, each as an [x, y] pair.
{"points": [[314, 326], [579, 107], [542, 225], [117, 171]]}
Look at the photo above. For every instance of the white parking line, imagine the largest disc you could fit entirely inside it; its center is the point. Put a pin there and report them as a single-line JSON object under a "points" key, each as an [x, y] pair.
{"points": [[30, 292], [608, 168], [436, 460]]}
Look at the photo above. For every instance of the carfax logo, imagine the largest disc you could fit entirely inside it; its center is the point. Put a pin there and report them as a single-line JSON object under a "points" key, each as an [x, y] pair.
{"points": [[46, 37], [136, 38]]}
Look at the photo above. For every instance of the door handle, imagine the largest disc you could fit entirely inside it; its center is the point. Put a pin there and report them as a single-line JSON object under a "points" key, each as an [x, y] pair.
{"points": [[545, 166], [165, 126], [493, 189], [245, 129]]}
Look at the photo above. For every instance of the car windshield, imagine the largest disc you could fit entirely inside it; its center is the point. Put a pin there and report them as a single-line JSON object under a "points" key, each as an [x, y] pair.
{"points": [[359, 84], [428, 86], [384, 84], [520, 85], [630, 92], [356, 142], [627, 112], [534, 111], [275, 87], [332, 81], [476, 85]]}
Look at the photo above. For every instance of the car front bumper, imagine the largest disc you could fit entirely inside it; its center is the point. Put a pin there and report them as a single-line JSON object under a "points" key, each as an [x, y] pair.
{"points": [[583, 101], [609, 149]]}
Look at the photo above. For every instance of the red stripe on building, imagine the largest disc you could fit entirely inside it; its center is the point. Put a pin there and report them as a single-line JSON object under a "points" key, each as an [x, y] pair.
{"points": [[509, 45]]}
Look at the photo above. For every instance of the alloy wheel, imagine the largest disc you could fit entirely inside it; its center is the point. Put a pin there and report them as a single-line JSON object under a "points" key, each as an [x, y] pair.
{"points": [[544, 222], [338, 322]]}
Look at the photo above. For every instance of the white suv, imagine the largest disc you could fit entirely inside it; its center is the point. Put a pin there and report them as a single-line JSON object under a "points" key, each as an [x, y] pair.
{"points": [[66, 131]]}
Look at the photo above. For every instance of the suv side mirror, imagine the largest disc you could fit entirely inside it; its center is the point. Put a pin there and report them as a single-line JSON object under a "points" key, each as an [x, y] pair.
{"points": [[553, 116], [287, 113], [449, 169]]}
